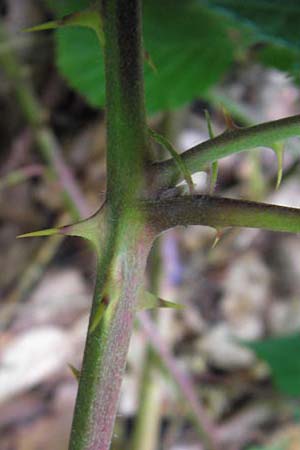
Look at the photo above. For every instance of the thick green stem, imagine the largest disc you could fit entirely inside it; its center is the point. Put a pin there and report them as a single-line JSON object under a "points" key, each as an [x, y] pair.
{"points": [[126, 133], [233, 141], [105, 353], [120, 272]]}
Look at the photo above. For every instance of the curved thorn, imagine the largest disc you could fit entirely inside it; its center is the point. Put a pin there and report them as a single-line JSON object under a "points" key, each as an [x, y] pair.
{"points": [[230, 125], [278, 149], [162, 140], [150, 61], [75, 372], [217, 238]]}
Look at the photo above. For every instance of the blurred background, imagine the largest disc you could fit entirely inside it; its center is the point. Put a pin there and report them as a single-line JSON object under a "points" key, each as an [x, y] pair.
{"points": [[223, 372]]}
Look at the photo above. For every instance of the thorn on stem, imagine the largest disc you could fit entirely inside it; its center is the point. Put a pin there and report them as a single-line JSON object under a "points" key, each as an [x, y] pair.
{"points": [[75, 372], [218, 236], [150, 61], [230, 125], [278, 149]]}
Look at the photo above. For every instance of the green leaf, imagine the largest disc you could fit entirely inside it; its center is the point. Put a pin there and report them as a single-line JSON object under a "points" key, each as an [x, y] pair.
{"points": [[282, 355], [80, 61], [64, 7], [273, 20], [188, 44], [283, 58]]}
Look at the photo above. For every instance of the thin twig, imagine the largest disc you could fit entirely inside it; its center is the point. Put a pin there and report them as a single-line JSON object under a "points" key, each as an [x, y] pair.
{"points": [[20, 175], [183, 381]]}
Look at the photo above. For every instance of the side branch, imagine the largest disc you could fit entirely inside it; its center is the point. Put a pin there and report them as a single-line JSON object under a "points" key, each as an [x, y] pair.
{"points": [[219, 212], [229, 142]]}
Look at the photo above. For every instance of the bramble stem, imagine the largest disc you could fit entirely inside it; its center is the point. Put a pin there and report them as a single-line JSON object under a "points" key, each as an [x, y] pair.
{"points": [[219, 212], [126, 119], [231, 141], [105, 356], [128, 242]]}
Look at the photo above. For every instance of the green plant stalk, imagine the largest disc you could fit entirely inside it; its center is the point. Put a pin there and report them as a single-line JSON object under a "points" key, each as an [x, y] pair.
{"points": [[18, 176], [105, 356], [16, 74], [256, 186], [220, 212], [121, 270], [126, 132], [203, 424], [147, 422], [229, 142]]}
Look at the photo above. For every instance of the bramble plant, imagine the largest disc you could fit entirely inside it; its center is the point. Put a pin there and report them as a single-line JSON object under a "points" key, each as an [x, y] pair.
{"points": [[140, 202]]}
